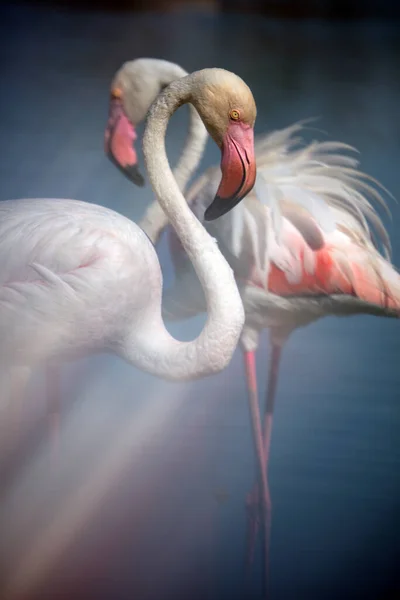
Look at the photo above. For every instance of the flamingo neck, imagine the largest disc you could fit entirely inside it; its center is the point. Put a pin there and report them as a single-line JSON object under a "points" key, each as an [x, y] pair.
{"points": [[155, 220], [149, 345]]}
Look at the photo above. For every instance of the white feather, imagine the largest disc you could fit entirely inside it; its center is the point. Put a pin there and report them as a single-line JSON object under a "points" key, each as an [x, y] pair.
{"points": [[321, 178], [237, 227]]}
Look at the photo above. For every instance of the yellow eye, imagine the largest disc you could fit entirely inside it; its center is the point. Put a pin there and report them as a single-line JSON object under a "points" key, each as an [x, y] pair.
{"points": [[234, 114], [116, 93]]}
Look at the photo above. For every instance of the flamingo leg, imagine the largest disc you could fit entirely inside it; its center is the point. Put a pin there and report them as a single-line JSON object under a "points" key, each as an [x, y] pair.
{"points": [[53, 404], [276, 353], [254, 499], [257, 504]]}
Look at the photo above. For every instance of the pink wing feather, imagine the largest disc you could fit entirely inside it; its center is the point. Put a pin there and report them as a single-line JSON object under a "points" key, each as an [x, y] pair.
{"points": [[308, 228]]}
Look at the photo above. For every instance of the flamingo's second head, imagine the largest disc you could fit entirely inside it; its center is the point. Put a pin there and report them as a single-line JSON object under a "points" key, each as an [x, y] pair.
{"points": [[133, 89]]}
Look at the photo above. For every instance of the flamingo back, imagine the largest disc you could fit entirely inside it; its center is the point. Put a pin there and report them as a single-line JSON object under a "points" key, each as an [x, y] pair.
{"points": [[310, 226], [66, 277]]}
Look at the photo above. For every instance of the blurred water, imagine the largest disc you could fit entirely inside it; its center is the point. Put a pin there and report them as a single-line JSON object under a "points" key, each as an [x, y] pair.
{"points": [[159, 531]]}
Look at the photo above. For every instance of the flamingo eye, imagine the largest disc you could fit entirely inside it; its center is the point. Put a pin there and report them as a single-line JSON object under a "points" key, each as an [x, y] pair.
{"points": [[116, 93], [234, 114]]}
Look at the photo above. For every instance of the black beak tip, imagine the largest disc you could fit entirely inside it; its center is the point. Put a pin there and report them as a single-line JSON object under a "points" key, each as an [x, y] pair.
{"points": [[133, 174], [220, 206], [130, 171], [215, 210]]}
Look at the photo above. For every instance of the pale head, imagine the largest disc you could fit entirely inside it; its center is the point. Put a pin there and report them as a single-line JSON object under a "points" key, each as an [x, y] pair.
{"points": [[133, 89], [222, 99], [227, 108]]}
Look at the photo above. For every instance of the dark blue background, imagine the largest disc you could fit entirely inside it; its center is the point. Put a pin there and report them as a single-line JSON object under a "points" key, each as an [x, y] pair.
{"points": [[159, 531]]}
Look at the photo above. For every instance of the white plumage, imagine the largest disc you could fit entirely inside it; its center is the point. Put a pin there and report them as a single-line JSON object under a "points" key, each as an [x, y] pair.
{"points": [[78, 278], [76, 274]]}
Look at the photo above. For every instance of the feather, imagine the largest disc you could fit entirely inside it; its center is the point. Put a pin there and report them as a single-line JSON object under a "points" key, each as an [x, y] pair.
{"points": [[259, 252], [305, 225], [316, 206], [314, 187], [237, 228]]}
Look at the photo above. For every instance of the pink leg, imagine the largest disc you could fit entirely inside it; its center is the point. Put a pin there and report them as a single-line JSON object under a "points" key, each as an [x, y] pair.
{"points": [[257, 503], [276, 352], [53, 390], [254, 497]]}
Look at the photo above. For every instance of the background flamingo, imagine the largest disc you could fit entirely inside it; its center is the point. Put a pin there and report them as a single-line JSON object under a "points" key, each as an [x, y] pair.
{"points": [[79, 280], [287, 277], [307, 250]]}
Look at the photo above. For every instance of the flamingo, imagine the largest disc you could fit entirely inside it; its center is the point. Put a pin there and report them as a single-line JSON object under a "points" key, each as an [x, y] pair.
{"points": [[145, 89], [290, 278], [85, 279], [303, 245]]}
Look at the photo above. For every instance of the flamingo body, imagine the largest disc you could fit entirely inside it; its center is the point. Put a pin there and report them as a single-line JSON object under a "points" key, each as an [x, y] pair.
{"points": [[78, 273], [302, 271]]}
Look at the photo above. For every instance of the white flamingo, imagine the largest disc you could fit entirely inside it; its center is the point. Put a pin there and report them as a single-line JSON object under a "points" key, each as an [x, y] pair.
{"points": [[302, 246], [77, 278]]}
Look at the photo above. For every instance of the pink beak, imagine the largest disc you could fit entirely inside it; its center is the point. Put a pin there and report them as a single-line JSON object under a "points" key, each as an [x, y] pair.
{"points": [[119, 137], [238, 166]]}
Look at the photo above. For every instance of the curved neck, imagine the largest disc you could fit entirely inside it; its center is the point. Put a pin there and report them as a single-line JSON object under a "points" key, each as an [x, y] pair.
{"points": [[155, 220], [150, 346], [197, 135]]}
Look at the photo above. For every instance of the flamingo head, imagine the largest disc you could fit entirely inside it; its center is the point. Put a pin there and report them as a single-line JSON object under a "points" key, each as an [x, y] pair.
{"points": [[133, 89], [119, 139], [228, 110]]}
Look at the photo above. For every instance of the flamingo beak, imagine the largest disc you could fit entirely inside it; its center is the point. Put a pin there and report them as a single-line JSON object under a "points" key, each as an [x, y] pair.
{"points": [[119, 140], [238, 166]]}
